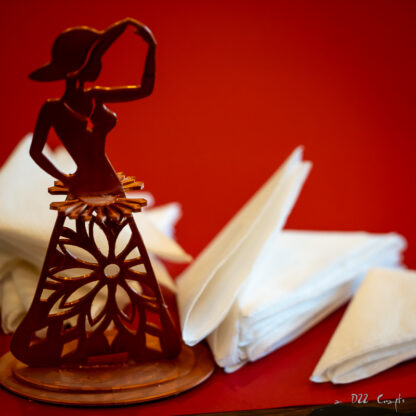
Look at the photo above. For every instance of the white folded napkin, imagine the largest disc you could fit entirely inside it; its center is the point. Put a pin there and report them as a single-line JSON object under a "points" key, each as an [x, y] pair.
{"points": [[208, 288], [300, 279], [26, 223], [377, 331], [255, 288]]}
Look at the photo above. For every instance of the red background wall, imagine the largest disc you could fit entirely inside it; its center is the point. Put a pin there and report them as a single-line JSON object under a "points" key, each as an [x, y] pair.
{"points": [[239, 85]]}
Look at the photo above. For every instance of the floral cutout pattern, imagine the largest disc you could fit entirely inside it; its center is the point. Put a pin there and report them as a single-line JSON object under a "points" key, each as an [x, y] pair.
{"points": [[87, 261]]}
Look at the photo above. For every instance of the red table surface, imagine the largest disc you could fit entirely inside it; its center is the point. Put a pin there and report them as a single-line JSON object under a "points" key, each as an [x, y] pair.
{"points": [[239, 85]]}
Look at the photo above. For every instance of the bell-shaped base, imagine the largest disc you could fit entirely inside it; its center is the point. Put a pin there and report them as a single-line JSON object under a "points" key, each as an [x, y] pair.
{"points": [[80, 344], [64, 311]]}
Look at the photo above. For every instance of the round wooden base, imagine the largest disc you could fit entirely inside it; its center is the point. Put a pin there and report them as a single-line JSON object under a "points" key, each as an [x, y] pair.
{"points": [[108, 385]]}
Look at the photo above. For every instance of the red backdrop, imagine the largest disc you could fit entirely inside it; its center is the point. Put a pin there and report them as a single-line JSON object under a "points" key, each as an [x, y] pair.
{"points": [[239, 85]]}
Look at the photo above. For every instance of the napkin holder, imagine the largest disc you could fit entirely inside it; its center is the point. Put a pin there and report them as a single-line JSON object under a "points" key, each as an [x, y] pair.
{"points": [[63, 352]]}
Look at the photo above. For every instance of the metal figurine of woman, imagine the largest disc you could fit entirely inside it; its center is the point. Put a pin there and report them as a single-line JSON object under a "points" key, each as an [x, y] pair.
{"points": [[62, 326]]}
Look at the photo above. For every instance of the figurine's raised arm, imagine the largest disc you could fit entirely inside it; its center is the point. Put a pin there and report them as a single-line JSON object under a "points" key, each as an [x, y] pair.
{"points": [[76, 58], [130, 92]]}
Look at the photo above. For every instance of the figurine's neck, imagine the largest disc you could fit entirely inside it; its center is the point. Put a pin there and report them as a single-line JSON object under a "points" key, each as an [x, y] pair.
{"points": [[74, 86], [76, 100]]}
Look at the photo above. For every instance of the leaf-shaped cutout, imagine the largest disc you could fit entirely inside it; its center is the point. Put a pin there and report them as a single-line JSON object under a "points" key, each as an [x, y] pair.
{"points": [[100, 239], [130, 264], [93, 325], [135, 275], [69, 223], [80, 253], [123, 239], [122, 297], [46, 293], [134, 254], [147, 293], [123, 300], [134, 286], [139, 268], [74, 273], [41, 333], [80, 294], [59, 309], [98, 305], [51, 283]]}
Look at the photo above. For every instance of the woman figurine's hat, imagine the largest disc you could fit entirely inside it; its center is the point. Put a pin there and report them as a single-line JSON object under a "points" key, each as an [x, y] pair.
{"points": [[69, 53]]}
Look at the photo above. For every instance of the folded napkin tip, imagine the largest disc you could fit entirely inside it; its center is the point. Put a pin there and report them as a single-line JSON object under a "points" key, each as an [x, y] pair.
{"points": [[318, 379], [188, 258]]}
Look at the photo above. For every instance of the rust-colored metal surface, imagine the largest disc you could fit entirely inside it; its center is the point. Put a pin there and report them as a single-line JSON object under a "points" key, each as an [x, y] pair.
{"points": [[75, 270], [69, 342], [111, 385], [80, 117]]}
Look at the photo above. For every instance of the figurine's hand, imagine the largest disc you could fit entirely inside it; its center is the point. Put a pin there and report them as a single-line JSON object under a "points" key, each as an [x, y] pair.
{"points": [[143, 31], [67, 179]]}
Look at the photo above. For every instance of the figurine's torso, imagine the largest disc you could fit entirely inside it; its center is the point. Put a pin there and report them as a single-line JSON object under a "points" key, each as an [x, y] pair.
{"points": [[84, 138]]}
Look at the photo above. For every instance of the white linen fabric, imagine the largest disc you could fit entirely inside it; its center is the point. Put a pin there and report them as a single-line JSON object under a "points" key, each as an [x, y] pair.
{"points": [[255, 287], [26, 223], [208, 288], [298, 280], [377, 331]]}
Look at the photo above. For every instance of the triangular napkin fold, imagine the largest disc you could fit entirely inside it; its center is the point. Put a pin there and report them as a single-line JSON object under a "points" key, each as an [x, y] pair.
{"points": [[377, 331], [299, 278], [208, 288]]}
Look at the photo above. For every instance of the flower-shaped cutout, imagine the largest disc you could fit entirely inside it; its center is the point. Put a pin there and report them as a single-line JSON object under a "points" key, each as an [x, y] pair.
{"points": [[93, 299], [108, 282]]}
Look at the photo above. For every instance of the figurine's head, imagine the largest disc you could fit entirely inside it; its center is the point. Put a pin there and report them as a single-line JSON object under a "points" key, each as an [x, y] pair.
{"points": [[70, 55]]}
